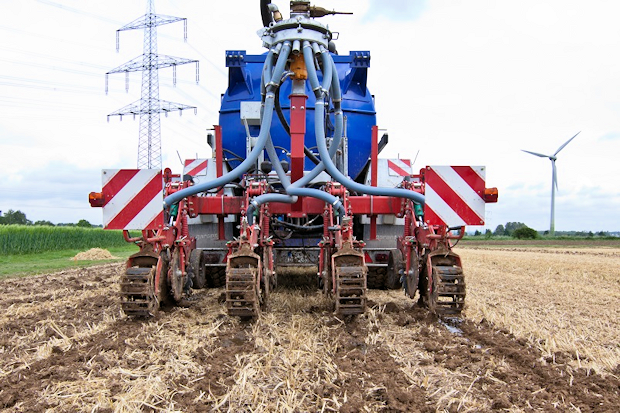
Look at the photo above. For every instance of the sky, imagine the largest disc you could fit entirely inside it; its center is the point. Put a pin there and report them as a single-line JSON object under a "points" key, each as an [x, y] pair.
{"points": [[462, 82]]}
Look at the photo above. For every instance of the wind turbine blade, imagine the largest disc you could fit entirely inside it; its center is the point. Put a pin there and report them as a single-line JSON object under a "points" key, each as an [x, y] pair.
{"points": [[566, 143], [537, 154], [555, 175]]}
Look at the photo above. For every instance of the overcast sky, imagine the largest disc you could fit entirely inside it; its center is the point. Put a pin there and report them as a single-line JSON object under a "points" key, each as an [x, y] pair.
{"points": [[464, 82]]}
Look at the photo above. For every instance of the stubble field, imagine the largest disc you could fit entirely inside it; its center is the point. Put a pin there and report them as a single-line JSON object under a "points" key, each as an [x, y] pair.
{"points": [[540, 333]]}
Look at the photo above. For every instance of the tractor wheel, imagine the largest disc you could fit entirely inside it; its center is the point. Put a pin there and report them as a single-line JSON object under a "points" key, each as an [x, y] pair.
{"points": [[199, 278], [395, 265]]}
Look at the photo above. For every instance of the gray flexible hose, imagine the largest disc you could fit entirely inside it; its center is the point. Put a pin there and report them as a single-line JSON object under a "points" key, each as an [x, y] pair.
{"points": [[319, 128], [297, 188], [260, 143]]}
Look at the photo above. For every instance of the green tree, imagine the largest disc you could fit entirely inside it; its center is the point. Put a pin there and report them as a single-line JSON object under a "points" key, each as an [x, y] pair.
{"points": [[14, 217], [46, 223], [499, 230], [525, 232], [477, 233], [512, 226], [84, 223], [488, 234]]}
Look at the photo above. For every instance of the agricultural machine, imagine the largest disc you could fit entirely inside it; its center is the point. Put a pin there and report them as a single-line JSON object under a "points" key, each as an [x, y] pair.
{"points": [[295, 184]]}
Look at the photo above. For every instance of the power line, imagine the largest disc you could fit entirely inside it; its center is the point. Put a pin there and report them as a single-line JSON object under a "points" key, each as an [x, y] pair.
{"points": [[149, 107], [80, 12], [47, 37]]}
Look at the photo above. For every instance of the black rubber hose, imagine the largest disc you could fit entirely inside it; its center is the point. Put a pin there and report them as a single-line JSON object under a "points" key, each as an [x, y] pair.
{"points": [[265, 14], [287, 128]]}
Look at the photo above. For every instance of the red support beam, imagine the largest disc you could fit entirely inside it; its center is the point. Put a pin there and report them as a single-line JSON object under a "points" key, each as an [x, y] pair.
{"points": [[374, 160], [219, 171], [224, 205], [298, 134]]}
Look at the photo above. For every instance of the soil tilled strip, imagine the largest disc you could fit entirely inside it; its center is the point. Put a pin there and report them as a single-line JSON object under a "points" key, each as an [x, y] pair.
{"points": [[376, 379], [526, 380], [81, 307], [21, 388], [23, 287], [480, 369], [154, 367], [40, 295], [267, 364]]}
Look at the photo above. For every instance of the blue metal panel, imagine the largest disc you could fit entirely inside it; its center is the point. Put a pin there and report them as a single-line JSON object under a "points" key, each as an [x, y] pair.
{"points": [[357, 104]]}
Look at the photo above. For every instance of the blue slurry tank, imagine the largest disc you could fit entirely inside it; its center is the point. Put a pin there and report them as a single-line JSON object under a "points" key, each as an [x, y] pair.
{"points": [[244, 75]]}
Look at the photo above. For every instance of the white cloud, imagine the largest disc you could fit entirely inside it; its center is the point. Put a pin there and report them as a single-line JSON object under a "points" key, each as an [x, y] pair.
{"points": [[463, 82]]}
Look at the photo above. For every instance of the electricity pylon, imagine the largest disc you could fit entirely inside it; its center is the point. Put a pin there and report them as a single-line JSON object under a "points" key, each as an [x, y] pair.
{"points": [[149, 107]]}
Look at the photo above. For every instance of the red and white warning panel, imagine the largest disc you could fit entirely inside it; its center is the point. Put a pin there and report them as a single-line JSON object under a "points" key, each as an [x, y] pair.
{"points": [[398, 167], [133, 199], [195, 167], [454, 195], [390, 172]]}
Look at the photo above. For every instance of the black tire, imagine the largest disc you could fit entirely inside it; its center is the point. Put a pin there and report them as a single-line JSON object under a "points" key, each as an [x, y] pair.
{"points": [[376, 278], [395, 265], [164, 297], [216, 276], [199, 279]]}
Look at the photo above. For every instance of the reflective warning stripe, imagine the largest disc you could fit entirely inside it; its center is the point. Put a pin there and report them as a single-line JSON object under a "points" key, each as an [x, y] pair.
{"points": [[133, 199], [454, 195], [195, 167], [399, 167]]}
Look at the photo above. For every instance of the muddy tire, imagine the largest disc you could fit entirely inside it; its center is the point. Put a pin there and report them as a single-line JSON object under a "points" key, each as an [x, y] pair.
{"points": [[199, 279], [377, 278], [215, 276], [395, 265]]}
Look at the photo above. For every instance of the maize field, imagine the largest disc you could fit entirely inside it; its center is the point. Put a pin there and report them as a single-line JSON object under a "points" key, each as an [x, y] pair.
{"points": [[31, 239]]}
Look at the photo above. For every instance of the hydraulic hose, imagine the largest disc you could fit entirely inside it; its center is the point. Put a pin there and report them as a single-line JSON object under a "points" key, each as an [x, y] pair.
{"points": [[265, 14], [260, 143], [298, 188], [293, 190], [319, 127]]}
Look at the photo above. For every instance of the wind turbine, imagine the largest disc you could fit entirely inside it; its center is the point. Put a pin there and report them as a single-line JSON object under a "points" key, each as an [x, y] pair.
{"points": [[554, 178]]}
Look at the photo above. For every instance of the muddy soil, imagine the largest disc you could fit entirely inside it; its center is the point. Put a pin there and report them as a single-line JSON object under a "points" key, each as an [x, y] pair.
{"points": [[66, 346]]}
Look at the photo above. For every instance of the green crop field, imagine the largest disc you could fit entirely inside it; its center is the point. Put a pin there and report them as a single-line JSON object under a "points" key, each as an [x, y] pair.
{"points": [[28, 250], [22, 239]]}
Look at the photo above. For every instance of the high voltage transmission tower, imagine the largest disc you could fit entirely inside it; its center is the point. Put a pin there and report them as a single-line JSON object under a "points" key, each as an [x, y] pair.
{"points": [[149, 107]]}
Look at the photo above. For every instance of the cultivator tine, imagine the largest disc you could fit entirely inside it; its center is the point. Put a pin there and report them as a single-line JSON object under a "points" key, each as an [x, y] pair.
{"points": [[137, 295], [450, 290], [241, 297], [351, 290]]}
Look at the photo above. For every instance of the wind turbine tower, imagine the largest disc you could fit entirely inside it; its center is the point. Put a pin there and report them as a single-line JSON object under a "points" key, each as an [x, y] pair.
{"points": [[149, 107], [554, 178]]}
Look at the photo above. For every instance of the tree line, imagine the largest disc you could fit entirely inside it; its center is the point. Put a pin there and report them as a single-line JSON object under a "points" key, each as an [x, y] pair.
{"points": [[522, 231], [12, 217]]}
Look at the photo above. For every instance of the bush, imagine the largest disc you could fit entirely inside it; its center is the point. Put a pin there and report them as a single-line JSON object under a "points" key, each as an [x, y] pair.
{"points": [[525, 233]]}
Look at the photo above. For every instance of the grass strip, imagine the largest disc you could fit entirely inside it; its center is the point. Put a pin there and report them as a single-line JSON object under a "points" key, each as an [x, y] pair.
{"points": [[19, 265]]}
